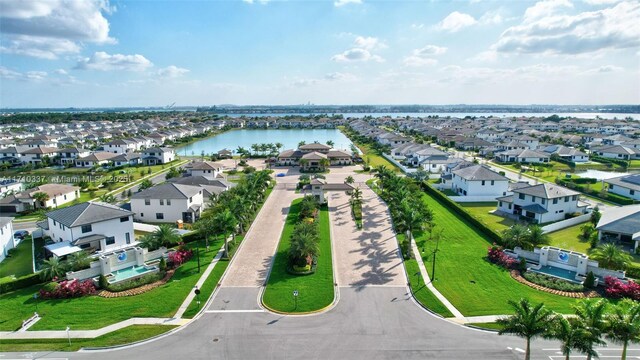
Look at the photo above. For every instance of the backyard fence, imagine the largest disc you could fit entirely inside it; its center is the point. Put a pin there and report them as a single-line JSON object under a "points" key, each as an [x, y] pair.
{"points": [[566, 223]]}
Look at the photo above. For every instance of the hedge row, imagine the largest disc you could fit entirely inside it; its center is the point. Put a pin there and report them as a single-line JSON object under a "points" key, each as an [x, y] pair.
{"points": [[633, 272], [623, 163], [557, 158], [607, 196], [19, 283], [444, 200]]}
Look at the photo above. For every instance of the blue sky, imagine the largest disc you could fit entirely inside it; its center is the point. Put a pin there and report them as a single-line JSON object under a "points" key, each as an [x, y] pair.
{"points": [[59, 53]]}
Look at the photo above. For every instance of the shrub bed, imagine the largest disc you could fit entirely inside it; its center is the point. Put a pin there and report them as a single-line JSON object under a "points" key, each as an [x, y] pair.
{"points": [[623, 163], [616, 289], [134, 283], [496, 255], [19, 283], [68, 289], [552, 283]]}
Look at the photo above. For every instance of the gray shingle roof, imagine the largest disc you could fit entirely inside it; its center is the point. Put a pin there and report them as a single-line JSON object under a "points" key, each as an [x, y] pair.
{"points": [[168, 191], [546, 190], [628, 181], [4, 220], [87, 213], [478, 173], [625, 220]]}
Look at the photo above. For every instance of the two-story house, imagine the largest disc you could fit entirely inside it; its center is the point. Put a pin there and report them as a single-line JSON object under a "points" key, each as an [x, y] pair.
{"points": [[7, 242], [158, 155], [95, 159], [90, 226], [541, 203], [478, 180], [207, 169], [71, 154], [627, 186], [35, 155], [168, 203]]}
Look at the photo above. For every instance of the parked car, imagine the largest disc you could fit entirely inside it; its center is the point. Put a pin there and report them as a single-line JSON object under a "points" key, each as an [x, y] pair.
{"points": [[20, 234], [281, 175]]}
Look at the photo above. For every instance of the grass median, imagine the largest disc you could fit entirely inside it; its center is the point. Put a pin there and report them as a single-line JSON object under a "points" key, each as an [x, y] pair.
{"points": [[315, 290]]}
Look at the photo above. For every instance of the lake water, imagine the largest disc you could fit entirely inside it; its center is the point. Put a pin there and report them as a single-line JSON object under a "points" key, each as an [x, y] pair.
{"points": [[232, 139], [453, 114], [599, 174]]}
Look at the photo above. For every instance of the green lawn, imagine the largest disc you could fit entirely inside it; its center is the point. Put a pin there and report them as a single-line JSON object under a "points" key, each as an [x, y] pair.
{"points": [[20, 263], [568, 239], [480, 210], [487, 326], [123, 336], [207, 289], [421, 292], [315, 290], [463, 275], [97, 311]]}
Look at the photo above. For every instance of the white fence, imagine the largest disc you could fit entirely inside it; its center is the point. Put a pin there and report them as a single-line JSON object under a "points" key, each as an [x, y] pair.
{"points": [[566, 223], [396, 163], [144, 227], [463, 199]]}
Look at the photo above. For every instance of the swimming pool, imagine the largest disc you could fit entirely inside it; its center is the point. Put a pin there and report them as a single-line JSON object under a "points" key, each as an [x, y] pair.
{"points": [[130, 272], [563, 274]]}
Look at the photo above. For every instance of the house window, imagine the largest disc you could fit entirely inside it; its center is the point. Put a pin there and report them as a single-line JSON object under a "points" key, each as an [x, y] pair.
{"points": [[141, 214], [191, 199], [127, 238], [632, 192], [124, 219], [493, 182], [521, 196], [555, 201], [147, 201], [499, 203], [110, 240], [509, 206], [85, 246], [161, 201], [543, 201], [159, 216], [610, 186], [86, 228], [168, 201], [533, 199], [574, 197], [65, 197], [54, 223], [566, 199], [482, 182]]}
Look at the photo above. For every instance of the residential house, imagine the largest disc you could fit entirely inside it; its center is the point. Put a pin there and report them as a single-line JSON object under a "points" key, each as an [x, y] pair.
{"points": [[11, 156], [36, 155], [627, 186], [478, 180], [566, 153], [207, 169], [7, 242], [541, 203], [523, 156], [127, 159], [168, 203], [615, 152], [621, 224], [10, 186], [57, 194], [158, 155], [314, 157], [90, 226], [120, 146], [95, 159], [71, 154]]}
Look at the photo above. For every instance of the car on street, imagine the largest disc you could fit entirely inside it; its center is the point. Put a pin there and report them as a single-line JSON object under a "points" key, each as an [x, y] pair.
{"points": [[281, 175], [20, 234]]}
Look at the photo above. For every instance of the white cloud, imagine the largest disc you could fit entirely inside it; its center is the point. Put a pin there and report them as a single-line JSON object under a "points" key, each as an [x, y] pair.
{"points": [[338, 76], [604, 69], [34, 76], [369, 43], [339, 3], [491, 18], [104, 62], [253, 1], [532, 73], [430, 50], [327, 78], [47, 29], [61, 72], [418, 61], [417, 26], [9, 74], [485, 56], [456, 21], [601, 2], [423, 56], [546, 30], [356, 54], [172, 71]]}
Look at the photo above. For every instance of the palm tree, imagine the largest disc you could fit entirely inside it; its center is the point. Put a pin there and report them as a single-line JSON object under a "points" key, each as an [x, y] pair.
{"points": [[624, 324], [516, 235], [278, 146], [149, 242], [592, 315], [595, 216], [41, 198], [537, 236], [53, 268], [226, 225], [330, 143], [79, 260], [303, 162], [166, 235], [107, 198], [145, 184], [610, 256], [356, 196], [301, 143], [349, 180], [324, 163], [527, 322], [585, 231], [255, 148], [572, 336]]}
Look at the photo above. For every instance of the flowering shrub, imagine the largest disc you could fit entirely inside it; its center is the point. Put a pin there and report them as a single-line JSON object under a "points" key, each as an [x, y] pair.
{"points": [[68, 289], [497, 256], [617, 289], [180, 256]]}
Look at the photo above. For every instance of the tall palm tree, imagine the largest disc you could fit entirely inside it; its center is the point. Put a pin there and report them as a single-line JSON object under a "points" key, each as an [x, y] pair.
{"points": [[349, 180], [528, 322], [623, 324], [278, 146], [330, 143], [410, 220], [324, 163], [226, 225], [572, 336], [79, 260], [52, 268], [516, 235], [301, 143], [255, 148], [107, 198], [41, 198], [356, 196], [592, 315], [537, 236], [610, 256]]}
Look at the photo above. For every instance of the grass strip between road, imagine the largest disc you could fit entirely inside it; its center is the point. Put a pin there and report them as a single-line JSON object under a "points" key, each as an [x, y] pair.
{"points": [[316, 290], [422, 293], [123, 336]]}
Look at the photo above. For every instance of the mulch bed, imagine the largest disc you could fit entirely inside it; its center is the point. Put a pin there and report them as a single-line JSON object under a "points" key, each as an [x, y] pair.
{"points": [[139, 290], [576, 295]]}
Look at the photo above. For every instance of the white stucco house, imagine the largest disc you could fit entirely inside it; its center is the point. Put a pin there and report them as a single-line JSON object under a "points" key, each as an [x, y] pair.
{"points": [[168, 203], [478, 180], [10, 186], [58, 194], [97, 158], [158, 155], [207, 169], [541, 203], [7, 242], [88, 226], [70, 155], [621, 223], [627, 186], [523, 156]]}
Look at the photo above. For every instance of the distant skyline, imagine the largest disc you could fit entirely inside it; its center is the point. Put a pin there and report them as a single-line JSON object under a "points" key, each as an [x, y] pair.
{"points": [[94, 53]]}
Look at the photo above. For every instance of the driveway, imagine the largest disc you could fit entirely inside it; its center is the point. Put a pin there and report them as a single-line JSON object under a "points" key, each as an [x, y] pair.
{"points": [[369, 256]]}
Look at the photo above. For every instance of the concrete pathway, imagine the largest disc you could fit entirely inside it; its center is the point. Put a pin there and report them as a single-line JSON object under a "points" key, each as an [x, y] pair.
{"points": [[369, 256], [203, 278]]}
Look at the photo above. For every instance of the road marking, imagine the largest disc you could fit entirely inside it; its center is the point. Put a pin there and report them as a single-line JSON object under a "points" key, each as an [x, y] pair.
{"points": [[235, 311], [519, 350]]}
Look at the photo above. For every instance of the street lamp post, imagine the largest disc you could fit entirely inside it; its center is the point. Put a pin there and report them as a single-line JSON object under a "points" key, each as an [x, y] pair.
{"points": [[197, 292], [295, 298]]}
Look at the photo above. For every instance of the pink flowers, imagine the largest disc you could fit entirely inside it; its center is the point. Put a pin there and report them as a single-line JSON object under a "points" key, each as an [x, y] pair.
{"points": [[69, 289], [180, 256], [617, 289], [497, 256]]}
